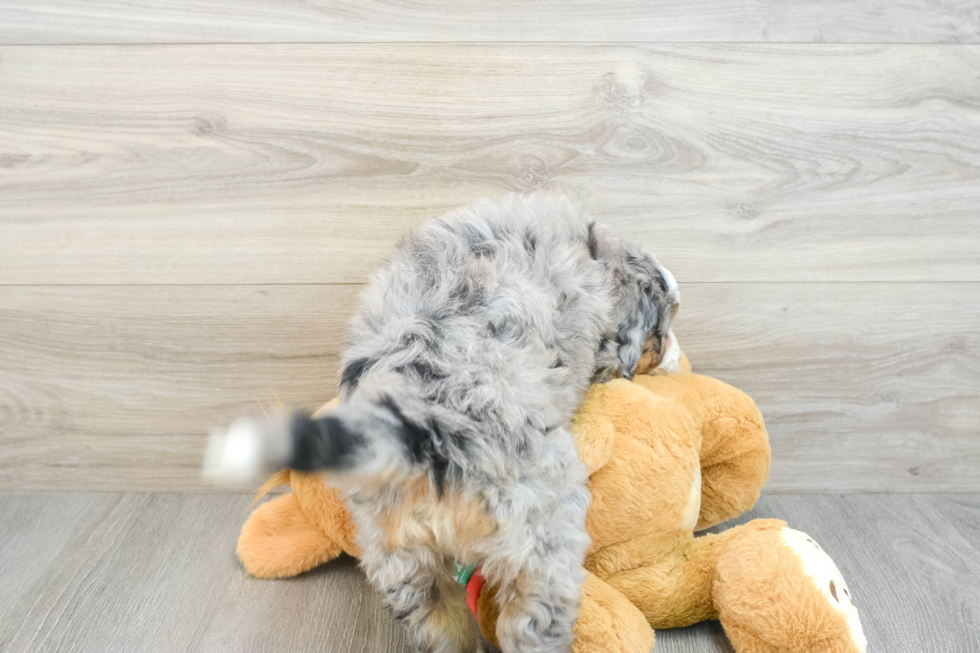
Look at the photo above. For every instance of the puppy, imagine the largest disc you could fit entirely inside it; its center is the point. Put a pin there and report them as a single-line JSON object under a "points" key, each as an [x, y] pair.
{"points": [[472, 348]]}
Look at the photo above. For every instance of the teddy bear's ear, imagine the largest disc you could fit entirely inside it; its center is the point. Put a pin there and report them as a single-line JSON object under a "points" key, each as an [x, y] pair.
{"points": [[278, 540]]}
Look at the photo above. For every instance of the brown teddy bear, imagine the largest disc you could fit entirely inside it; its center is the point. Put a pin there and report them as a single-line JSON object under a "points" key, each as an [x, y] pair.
{"points": [[668, 455]]}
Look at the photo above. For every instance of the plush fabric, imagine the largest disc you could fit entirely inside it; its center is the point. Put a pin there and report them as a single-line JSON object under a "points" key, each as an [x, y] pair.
{"points": [[667, 455]]}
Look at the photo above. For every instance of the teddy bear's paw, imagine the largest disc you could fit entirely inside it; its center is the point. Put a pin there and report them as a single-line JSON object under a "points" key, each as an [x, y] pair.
{"points": [[820, 568]]}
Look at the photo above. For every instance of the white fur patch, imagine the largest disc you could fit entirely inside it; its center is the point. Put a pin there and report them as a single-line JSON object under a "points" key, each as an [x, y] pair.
{"points": [[693, 508], [828, 579], [240, 454], [671, 283], [671, 360]]}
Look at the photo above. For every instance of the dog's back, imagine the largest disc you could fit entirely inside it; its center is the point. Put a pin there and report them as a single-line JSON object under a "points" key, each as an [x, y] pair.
{"points": [[472, 348], [488, 319], [477, 338]]}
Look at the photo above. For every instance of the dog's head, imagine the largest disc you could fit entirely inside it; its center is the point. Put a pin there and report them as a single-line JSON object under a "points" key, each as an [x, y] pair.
{"points": [[647, 299]]}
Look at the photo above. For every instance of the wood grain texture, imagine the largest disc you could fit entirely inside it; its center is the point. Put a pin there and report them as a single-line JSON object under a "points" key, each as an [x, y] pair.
{"points": [[211, 21], [864, 387], [158, 573], [37, 533], [331, 609], [305, 163], [114, 388]]}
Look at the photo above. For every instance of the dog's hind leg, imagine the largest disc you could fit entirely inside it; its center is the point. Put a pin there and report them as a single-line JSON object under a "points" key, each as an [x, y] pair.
{"points": [[418, 587], [539, 577], [538, 606]]}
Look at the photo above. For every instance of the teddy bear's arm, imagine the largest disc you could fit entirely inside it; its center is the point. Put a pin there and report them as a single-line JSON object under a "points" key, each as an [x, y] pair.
{"points": [[592, 428], [731, 438], [735, 453]]}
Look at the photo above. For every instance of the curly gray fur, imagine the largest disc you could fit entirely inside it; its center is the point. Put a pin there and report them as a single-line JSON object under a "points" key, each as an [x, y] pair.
{"points": [[472, 348]]}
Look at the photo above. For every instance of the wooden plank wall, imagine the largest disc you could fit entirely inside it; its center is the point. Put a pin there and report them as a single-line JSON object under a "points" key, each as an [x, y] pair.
{"points": [[544, 21], [191, 194]]}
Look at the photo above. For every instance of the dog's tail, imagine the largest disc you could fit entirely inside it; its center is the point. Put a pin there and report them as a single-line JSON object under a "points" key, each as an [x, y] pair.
{"points": [[362, 439]]}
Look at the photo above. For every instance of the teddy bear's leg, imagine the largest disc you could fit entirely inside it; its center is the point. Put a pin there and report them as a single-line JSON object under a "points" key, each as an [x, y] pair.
{"points": [[675, 591], [419, 589], [279, 540], [777, 590], [324, 507], [608, 623]]}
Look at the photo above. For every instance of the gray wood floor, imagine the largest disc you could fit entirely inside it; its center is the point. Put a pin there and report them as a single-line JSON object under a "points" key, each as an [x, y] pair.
{"points": [[157, 572]]}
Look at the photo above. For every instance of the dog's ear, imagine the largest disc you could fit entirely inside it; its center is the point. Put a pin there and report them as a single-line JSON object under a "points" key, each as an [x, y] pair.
{"points": [[634, 330], [651, 300], [647, 296]]}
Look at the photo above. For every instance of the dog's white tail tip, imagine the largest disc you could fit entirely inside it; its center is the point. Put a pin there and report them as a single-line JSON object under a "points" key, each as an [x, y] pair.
{"points": [[235, 455]]}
